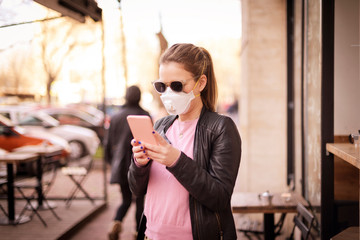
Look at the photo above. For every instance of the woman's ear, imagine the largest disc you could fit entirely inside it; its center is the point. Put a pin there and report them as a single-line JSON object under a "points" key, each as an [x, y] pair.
{"points": [[202, 82]]}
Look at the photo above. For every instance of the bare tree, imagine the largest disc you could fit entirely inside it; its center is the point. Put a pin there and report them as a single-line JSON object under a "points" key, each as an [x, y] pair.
{"points": [[14, 75], [52, 57], [58, 39], [17, 64]]}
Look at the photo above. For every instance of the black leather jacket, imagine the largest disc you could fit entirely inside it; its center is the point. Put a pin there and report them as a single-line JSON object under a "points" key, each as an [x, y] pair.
{"points": [[209, 178]]}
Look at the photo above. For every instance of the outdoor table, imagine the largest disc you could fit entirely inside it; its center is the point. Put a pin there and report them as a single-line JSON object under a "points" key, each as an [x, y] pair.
{"points": [[249, 202], [346, 152], [43, 152], [350, 233], [10, 159]]}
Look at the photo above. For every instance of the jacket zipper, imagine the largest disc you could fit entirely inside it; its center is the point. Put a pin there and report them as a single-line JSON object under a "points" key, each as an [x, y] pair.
{"points": [[219, 225]]}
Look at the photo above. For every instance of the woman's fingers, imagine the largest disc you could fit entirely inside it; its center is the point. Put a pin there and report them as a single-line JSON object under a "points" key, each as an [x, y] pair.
{"points": [[160, 140], [139, 152], [137, 147], [155, 153], [142, 161], [135, 142], [164, 153]]}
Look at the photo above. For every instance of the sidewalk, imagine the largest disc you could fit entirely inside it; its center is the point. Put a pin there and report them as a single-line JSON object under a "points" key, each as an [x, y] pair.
{"points": [[97, 227], [77, 216]]}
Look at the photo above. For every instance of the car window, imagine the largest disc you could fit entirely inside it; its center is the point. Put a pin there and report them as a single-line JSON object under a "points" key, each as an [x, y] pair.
{"points": [[30, 121], [2, 130], [20, 115], [6, 114], [6, 131], [71, 119]]}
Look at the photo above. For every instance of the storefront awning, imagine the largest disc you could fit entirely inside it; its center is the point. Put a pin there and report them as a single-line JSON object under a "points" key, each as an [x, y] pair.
{"points": [[76, 9]]}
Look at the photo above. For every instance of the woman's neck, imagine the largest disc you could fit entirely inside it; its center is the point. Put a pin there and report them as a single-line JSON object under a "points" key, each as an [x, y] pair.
{"points": [[194, 110]]}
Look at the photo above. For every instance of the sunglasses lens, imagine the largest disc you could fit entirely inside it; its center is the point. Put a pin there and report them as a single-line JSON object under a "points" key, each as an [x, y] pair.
{"points": [[160, 87], [176, 86]]}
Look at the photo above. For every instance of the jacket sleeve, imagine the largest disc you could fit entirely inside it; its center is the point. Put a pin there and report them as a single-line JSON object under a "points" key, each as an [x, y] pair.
{"points": [[212, 185], [138, 178]]}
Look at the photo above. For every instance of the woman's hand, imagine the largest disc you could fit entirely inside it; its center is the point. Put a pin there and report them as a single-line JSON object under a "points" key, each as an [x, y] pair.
{"points": [[140, 155], [163, 153]]}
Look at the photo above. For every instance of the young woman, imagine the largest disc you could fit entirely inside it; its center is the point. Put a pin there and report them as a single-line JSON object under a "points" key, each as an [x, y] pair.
{"points": [[189, 176]]}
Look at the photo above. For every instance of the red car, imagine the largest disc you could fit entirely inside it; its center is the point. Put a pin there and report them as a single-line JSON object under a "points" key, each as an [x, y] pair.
{"points": [[13, 137]]}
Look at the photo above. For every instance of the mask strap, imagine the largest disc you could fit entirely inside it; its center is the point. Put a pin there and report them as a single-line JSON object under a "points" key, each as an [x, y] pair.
{"points": [[195, 86]]}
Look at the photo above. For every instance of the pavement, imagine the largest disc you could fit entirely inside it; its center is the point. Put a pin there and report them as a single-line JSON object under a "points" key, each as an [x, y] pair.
{"points": [[75, 222], [97, 227]]}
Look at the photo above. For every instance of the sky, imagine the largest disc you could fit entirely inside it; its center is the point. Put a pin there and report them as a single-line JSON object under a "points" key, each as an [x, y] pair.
{"points": [[187, 20], [15, 11]]}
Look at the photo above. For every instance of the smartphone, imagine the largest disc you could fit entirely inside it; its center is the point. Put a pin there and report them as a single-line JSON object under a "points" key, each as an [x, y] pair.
{"points": [[142, 129]]}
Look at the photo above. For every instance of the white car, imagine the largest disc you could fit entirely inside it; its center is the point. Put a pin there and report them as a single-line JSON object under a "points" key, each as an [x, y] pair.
{"points": [[82, 141], [73, 116]]}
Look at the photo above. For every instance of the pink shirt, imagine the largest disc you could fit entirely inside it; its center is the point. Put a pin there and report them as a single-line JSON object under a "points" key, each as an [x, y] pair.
{"points": [[167, 201]]}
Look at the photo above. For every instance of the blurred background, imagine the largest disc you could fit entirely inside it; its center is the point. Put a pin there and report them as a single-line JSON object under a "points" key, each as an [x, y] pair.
{"points": [[50, 59]]}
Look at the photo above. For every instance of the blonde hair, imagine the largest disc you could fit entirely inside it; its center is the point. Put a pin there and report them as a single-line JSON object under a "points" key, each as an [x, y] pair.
{"points": [[197, 61]]}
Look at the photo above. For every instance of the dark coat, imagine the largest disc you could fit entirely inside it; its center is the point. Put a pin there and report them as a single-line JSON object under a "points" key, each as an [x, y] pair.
{"points": [[209, 177], [118, 149]]}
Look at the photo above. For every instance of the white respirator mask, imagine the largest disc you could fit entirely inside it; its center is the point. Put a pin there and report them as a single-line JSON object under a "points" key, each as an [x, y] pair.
{"points": [[177, 103]]}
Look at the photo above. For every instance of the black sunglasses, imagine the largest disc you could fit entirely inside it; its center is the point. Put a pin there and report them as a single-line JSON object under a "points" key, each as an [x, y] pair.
{"points": [[176, 86]]}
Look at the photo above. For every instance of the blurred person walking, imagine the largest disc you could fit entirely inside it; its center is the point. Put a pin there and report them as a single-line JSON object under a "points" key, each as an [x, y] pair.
{"points": [[189, 176], [118, 155]]}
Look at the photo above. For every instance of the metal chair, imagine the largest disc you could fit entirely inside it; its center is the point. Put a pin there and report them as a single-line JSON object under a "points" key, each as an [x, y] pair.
{"points": [[3, 182], [256, 228], [304, 221], [3, 210], [78, 172], [25, 186]]}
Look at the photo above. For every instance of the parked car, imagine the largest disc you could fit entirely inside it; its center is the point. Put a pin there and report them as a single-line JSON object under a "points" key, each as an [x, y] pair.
{"points": [[15, 137], [66, 115], [83, 141], [93, 111]]}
